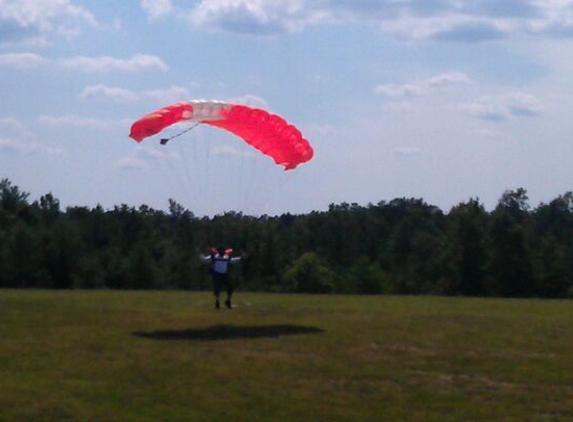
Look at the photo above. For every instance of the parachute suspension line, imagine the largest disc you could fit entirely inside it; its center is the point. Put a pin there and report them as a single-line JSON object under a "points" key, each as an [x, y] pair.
{"points": [[185, 179], [284, 181], [190, 179], [251, 178], [209, 184], [181, 176], [164, 141], [197, 172], [177, 178], [245, 184], [241, 192]]}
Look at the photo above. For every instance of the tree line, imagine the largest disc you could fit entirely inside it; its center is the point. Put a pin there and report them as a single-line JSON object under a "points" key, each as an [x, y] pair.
{"points": [[404, 246]]}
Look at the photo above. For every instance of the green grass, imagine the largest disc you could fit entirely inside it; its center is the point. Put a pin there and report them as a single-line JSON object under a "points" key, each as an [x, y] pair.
{"points": [[76, 355]]}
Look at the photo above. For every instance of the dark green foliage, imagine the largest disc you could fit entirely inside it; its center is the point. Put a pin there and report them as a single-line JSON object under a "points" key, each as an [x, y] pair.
{"points": [[510, 256], [466, 252], [365, 277], [404, 246], [308, 274]]}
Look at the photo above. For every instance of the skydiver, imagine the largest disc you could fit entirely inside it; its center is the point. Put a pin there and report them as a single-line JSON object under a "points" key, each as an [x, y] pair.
{"points": [[219, 261]]}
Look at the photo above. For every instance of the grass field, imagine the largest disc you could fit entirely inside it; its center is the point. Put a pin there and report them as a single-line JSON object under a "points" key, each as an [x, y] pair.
{"points": [[148, 356]]}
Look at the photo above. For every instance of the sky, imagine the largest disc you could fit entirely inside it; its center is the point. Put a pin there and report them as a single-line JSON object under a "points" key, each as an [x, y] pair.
{"points": [[444, 100]]}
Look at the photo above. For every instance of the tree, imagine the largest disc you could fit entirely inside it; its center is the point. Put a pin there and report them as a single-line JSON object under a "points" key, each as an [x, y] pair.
{"points": [[553, 255], [366, 277], [466, 253], [308, 274], [510, 265]]}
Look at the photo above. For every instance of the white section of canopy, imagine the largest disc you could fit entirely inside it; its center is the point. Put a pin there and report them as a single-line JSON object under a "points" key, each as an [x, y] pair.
{"points": [[205, 110]]}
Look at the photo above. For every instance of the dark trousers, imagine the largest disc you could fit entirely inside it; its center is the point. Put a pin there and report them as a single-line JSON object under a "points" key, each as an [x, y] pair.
{"points": [[220, 281]]}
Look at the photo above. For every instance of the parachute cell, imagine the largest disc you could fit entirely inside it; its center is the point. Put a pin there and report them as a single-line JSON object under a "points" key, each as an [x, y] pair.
{"points": [[267, 132]]}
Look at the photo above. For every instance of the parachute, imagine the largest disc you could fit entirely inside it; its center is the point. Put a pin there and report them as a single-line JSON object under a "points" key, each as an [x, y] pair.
{"points": [[267, 132]]}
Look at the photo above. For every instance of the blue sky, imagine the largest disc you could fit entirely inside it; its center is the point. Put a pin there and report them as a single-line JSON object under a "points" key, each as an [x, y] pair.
{"points": [[443, 100]]}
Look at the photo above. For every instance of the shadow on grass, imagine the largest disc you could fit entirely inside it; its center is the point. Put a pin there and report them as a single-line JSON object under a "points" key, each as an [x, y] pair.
{"points": [[226, 332]]}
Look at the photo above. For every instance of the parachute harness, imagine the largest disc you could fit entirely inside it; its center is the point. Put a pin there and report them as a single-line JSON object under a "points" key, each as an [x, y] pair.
{"points": [[164, 141]]}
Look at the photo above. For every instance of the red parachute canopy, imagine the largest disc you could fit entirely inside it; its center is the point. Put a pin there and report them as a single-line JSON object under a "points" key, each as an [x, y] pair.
{"points": [[267, 132], [215, 251]]}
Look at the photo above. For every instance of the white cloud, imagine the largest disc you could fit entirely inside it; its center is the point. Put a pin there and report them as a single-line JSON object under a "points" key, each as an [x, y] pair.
{"points": [[406, 151], [12, 146], [446, 20], [144, 156], [76, 121], [486, 110], [156, 9], [446, 27], [255, 16], [21, 60], [113, 93], [399, 106], [423, 86], [325, 129], [8, 145], [231, 151], [16, 125], [156, 154], [129, 163], [250, 99], [520, 104], [26, 20], [500, 108], [160, 95], [106, 63], [12, 122], [135, 63], [173, 93]]}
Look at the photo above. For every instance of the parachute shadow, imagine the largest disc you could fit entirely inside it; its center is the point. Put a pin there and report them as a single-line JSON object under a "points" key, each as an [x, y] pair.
{"points": [[228, 332]]}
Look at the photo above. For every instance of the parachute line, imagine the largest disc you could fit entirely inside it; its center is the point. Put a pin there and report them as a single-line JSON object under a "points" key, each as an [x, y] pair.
{"points": [[164, 141]]}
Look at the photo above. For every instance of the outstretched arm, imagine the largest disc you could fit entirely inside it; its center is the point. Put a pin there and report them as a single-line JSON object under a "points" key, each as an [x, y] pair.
{"points": [[206, 259]]}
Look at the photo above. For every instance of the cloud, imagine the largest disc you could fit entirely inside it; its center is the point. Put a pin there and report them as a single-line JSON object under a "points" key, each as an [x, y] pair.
{"points": [[129, 163], [321, 130], [231, 151], [501, 108], [15, 125], [156, 9], [21, 60], [25, 20], [12, 122], [173, 93], [145, 156], [255, 16], [138, 62], [399, 106], [423, 86], [406, 151], [250, 99], [470, 32], [519, 104], [11, 146], [113, 93], [486, 111], [106, 63], [160, 95], [154, 154], [72, 120], [442, 20]]}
